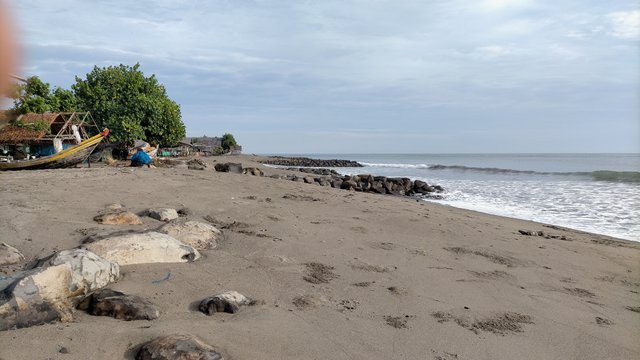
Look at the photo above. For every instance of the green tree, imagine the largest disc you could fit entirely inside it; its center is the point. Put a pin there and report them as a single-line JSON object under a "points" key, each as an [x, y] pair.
{"points": [[36, 96], [228, 141], [132, 105]]}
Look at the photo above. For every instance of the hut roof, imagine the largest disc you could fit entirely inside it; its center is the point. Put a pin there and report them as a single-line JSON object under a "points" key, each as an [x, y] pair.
{"points": [[17, 134]]}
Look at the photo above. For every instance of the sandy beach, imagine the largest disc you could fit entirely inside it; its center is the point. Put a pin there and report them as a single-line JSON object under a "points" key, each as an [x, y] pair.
{"points": [[336, 274]]}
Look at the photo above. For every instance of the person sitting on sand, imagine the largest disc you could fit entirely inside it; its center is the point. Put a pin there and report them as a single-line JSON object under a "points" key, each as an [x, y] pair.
{"points": [[140, 159]]}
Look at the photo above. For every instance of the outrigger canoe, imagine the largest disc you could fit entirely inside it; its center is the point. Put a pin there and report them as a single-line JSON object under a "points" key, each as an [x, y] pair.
{"points": [[66, 158]]}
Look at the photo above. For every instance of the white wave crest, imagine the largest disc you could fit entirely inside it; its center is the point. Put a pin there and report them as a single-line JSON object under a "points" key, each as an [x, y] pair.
{"points": [[397, 166]]}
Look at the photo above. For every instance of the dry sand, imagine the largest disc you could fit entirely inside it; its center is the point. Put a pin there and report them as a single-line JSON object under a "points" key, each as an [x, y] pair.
{"points": [[340, 275]]}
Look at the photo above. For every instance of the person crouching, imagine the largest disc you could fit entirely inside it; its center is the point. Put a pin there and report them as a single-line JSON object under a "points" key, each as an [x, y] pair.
{"points": [[140, 158]]}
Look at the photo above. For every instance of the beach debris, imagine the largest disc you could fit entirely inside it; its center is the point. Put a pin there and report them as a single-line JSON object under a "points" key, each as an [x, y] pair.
{"points": [[177, 347], [197, 234], [253, 171], [196, 164], [89, 271], [35, 297], [541, 233], [118, 305], [603, 321], [228, 301], [162, 214], [165, 278], [229, 167], [531, 233], [9, 255], [150, 247], [118, 217]]}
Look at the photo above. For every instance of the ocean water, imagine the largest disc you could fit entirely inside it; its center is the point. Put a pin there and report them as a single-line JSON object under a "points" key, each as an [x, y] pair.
{"points": [[598, 193]]}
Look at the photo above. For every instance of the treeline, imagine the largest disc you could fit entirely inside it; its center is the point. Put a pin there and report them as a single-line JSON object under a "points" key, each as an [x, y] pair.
{"points": [[133, 106]]}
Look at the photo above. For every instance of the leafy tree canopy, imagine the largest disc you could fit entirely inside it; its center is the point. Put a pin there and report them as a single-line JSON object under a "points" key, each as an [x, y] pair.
{"points": [[132, 105], [228, 141], [36, 96]]}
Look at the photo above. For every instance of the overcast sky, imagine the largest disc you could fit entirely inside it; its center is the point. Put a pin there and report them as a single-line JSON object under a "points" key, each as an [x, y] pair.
{"points": [[356, 76]]}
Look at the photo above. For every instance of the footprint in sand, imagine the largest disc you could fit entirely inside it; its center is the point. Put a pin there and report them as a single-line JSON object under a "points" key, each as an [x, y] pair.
{"points": [[579, 292], [495, 258], [398, 322], [444, 355], [360, 265], [384, 245], [397, 290], [492, 275], [603, 322], [318, 273], [501, 323]]}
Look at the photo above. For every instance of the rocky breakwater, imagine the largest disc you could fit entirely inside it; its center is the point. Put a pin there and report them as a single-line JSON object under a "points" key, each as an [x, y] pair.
{"points": [[307, 162], [366, 183]]}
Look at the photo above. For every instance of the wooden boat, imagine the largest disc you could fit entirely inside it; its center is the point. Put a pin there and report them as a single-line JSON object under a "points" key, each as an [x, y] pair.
{"points": [[66, 158]]}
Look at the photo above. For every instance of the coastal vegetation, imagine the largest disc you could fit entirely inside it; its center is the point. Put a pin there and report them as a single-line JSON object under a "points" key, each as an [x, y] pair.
{"points": [[36, 96], [228, 141], [133, 106]]}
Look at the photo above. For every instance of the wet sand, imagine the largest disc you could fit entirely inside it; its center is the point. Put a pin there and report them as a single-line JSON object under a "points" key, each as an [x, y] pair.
{"points": [[338, 274]]}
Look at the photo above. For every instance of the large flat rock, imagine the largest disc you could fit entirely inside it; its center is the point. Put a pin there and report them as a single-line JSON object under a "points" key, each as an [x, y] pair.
{"points": [[145, 248]]}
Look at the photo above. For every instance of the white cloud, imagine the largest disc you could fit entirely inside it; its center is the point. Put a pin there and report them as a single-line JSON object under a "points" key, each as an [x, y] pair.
{"points": [[625, 24], [498, 5]]}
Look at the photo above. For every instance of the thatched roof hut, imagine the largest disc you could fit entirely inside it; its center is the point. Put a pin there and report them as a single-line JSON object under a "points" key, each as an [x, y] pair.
{"points": [[36, 128]]}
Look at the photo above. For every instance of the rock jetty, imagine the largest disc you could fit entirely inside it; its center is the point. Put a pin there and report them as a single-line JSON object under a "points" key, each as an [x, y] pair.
{"points": [[366, 183], [307, 162]]}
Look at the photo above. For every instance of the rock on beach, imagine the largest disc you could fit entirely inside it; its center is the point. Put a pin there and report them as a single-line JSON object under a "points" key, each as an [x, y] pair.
{"points": [[48, 292], [9, 255], [89, 271], [145, 248], [228, 301], [36, 297], [162, 214], [177, 347], [197, 234], [118, 305]]}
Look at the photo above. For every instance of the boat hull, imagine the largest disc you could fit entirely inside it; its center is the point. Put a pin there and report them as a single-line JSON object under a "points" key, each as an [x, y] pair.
{"points": [[66, 158]]}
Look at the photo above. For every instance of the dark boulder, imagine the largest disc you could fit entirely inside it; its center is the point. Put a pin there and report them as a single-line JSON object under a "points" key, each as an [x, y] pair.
{"points": [[348, 185], [107, 302], [177, 347], [229, 302], [196, 164], [253, 171], [229, 167], [307, 162]]}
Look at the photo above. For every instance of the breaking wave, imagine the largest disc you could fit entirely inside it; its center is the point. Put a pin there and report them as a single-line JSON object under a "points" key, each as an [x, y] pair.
{"points": [[600, 175]]}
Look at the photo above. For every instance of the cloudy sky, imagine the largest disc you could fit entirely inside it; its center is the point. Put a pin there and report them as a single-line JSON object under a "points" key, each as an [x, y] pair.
{"points": [[366, 76]]}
